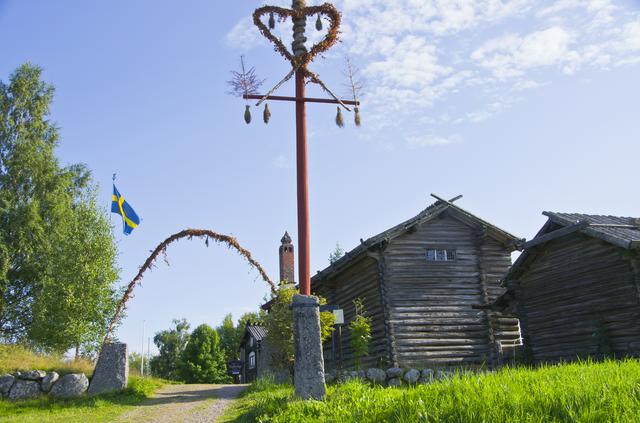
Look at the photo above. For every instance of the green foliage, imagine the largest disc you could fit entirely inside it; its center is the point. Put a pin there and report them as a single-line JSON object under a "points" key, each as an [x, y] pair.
{"points": [[135, 364], [360, 328], [336, 254], [578, 392], [230, 335], [279, 325], [202, 360], [171, 343], [57, 253], [603, 341]]}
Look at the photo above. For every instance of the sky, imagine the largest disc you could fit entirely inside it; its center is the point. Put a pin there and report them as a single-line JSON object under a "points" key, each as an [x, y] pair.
{"points": [[519, 105]]}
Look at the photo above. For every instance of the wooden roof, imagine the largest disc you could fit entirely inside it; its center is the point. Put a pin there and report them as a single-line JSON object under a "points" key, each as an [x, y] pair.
{"points": [[256, 331], [429, 213], [623, 232]]}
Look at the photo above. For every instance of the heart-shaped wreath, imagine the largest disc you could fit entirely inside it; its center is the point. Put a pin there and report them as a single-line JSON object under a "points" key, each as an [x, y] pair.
{"points": [[300, 62]]}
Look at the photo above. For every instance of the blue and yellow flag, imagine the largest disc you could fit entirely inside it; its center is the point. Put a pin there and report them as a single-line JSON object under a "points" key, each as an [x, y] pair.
{"points": [[129, 217]]}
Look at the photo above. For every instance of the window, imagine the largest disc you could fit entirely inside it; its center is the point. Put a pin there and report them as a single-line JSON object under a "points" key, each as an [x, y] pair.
{"points": [[252, 360], [441, 254]]}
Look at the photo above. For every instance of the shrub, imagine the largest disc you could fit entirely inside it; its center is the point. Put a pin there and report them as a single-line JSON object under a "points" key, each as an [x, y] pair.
{"points": [[202, 360], [360, 328]]}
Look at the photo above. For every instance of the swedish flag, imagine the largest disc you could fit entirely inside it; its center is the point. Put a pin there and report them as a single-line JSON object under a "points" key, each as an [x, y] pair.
{"points": [[129, 217]]}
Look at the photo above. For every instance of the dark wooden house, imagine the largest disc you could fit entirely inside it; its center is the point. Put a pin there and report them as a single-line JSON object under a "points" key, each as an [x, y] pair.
{"points": [[576, 288], [251, 353], [419, 281]]}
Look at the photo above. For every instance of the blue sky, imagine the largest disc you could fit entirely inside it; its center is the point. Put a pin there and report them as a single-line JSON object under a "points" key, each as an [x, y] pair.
{"points": [[520, 105]]}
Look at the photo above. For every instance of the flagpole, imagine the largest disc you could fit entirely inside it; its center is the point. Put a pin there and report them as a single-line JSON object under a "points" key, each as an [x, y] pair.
{"points": [[142, 355]]}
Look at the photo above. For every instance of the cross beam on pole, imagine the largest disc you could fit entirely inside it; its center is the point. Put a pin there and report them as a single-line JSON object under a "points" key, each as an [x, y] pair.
{"points": [[306, 100]]}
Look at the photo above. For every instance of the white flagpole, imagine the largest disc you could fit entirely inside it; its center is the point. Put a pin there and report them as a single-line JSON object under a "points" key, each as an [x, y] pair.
{"points": [[142, 355]]}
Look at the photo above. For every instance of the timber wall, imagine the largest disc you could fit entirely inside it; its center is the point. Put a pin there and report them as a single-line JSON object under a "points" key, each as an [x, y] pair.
{"points": [[430, 303], [573, 288], [358, 280]]}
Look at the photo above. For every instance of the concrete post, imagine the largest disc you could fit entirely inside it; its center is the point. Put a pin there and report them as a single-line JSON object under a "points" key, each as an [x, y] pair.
{"points": [[309, 363], [112, 370]]}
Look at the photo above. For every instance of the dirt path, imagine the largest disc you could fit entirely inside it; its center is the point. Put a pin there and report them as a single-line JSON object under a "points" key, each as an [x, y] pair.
{"points": [[184, 403]]}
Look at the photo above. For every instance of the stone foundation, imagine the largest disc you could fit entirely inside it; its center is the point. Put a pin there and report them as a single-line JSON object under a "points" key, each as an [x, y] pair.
{"points": [[34, 383], [393, 376]]}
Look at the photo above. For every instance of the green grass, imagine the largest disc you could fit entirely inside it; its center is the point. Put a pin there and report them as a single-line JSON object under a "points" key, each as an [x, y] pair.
{"points": [[578, 392], [101, 408], [15, 357]]}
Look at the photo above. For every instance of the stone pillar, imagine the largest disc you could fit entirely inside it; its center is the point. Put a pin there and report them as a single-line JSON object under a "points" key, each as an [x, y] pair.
{"points": [[112, 370], [309, 364]]}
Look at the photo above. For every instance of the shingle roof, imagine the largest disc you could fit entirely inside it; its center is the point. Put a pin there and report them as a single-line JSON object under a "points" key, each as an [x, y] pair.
{"points": [[428, 213], [621, 231], [257, 332]]}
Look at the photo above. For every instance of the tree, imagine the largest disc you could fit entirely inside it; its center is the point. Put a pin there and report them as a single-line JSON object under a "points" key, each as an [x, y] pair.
{"points": [[202, 360], [279, 325], [135, 363], [171, 343], [230, 335], [360, 328], [336, 254], [57, 253]]}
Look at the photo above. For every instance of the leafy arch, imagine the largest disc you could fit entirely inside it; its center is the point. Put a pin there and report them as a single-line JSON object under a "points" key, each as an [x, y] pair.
{"points": [[205, 234]]}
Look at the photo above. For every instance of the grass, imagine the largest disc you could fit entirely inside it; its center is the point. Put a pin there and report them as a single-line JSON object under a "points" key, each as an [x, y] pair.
{"points": [[100, 408], [577, 392], [15, 357]]}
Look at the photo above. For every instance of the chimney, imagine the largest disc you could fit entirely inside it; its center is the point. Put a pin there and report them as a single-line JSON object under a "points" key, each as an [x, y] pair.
{"points": [[286, 259]]}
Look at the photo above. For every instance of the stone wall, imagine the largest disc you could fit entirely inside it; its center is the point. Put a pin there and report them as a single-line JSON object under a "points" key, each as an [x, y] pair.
{"points": [[393, 376], [33, 383]]}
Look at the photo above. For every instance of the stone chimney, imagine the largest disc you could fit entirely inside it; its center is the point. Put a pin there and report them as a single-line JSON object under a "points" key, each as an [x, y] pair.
{"points": [[286, 260]]}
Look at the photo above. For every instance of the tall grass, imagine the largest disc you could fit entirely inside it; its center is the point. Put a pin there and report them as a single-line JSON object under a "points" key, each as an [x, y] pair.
{"points": [[578, 392], [15, 357]]}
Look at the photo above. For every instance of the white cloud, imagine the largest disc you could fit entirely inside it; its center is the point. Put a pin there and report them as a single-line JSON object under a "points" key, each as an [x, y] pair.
{"points": [[511, 55], [243, 35], [420, 54], [423, 141], [281, 162]]}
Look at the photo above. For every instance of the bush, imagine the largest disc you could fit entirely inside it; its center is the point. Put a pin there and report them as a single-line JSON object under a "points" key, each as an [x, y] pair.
{"points": [[202, 360], [360, 328], [279, 325]]}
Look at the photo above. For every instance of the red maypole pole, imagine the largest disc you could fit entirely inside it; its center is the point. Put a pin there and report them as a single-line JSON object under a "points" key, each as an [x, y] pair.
{"points": [[304, 271]]}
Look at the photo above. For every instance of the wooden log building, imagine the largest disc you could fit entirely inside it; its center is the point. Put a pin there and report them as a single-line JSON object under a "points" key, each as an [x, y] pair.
{"points": [[419, 281], [576, 288]]}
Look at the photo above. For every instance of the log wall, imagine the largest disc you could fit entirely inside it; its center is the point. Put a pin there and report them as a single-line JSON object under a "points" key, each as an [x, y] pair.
{"points": [[359, 280], [572, 288], [431, 302]]}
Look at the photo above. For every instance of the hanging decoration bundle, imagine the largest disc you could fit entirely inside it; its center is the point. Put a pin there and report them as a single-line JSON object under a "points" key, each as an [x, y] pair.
{"points": [[272, 21], [339, 119], [300, 60], [247, 114], [266, 115]]}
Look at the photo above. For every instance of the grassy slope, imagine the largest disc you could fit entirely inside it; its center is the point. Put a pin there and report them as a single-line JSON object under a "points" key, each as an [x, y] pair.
{"points": [[86, 409], [14, 357], [579, 392], [101, 408]]}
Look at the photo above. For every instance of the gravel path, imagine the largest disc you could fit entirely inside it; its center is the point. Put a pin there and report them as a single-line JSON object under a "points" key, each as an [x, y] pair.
{"points": [[185, 403]]}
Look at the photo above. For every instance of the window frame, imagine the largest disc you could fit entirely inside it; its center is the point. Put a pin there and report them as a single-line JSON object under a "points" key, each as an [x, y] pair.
{"points": [[437, 249], [252, 360]]}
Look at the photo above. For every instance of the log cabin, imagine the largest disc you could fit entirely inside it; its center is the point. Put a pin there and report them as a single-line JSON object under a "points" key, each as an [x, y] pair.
{"points": [[576, 288], [418, 281]]}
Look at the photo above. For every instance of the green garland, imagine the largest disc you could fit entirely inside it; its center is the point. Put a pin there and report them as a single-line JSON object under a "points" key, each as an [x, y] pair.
{"points": [[329, 40]]}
